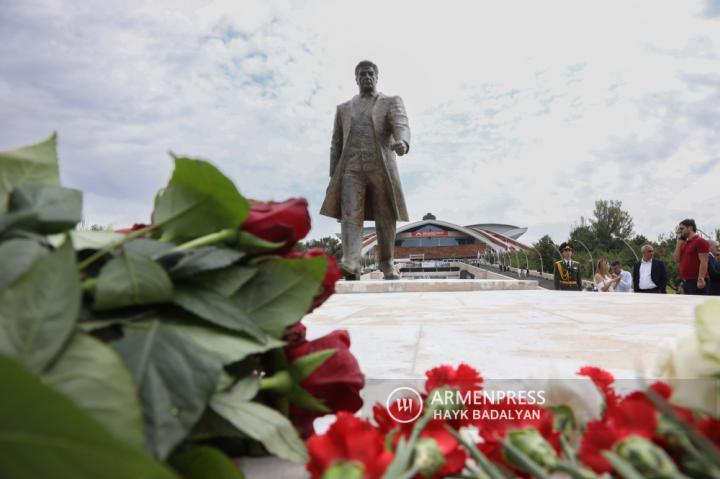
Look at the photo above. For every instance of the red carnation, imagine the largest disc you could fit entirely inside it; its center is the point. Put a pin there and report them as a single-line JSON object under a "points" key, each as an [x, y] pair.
{"points": [[332, 274], [286, 221], [351, 440], [633, 415], [464, 378], [337, 382], [454, 454], [460, 384], [499, 417], [603, 380]]}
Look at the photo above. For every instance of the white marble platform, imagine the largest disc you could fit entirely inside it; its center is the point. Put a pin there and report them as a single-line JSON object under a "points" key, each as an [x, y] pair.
{"points": [[432, 285], [505, 334]]}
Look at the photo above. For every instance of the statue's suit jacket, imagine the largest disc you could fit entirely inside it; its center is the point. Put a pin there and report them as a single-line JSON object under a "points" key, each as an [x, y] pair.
{"points": [[390, 124]]}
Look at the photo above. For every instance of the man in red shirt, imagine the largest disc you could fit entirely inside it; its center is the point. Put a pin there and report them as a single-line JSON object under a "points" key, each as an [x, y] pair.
{"points": [[691, 253]]}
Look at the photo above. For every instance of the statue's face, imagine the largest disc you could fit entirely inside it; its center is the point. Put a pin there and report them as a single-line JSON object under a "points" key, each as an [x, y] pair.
{"points": [[366, 78]]}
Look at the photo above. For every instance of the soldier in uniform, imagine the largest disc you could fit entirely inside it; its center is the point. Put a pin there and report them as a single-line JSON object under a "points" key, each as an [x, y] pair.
{"points": [[567, 271]]}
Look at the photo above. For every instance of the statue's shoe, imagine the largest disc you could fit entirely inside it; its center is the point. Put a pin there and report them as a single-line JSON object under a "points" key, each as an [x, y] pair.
{"points": [[350, 274]]}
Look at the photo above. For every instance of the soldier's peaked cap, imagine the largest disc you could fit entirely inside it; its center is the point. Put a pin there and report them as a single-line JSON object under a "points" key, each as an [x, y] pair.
{"points": [[566, 245]]}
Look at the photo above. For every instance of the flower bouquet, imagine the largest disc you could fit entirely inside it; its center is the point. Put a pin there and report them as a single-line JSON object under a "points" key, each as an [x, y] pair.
{"points": [[165, 349]]}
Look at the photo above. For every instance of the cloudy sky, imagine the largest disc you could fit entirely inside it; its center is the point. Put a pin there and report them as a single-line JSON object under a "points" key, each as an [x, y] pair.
{"points": [[521, 112]]}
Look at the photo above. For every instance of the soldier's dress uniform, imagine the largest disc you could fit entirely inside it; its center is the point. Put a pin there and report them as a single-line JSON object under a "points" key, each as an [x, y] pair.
{"points": [[567, 278], [567, 273]]}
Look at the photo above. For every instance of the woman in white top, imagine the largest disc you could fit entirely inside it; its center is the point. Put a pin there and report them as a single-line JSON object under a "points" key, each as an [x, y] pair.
{"points": [[603, 281]]}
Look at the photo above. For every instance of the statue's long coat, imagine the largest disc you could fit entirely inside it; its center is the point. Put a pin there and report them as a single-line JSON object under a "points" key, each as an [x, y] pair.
{"points": [[391, 124]]}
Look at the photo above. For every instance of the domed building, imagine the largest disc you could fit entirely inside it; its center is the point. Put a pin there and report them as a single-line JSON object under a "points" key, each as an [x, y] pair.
{"points": [[433, 239]]}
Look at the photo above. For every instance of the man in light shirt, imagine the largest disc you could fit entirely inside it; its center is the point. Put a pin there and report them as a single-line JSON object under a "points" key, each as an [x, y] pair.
{"points": [[649, 274], [625, 283]]}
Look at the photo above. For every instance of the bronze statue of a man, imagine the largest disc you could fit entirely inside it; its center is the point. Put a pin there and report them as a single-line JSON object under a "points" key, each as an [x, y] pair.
{"points": [[364, 181]]}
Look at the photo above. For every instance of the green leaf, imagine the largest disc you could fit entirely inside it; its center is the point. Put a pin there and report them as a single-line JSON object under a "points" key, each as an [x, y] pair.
{"points": [[204, 259], [175, 380], [300, 396], [16, 257], [93, 375], [246, 388], [250, 243], [304, 366], [225, 281], [226, 346], [621, 466], [38, 312], [263, 424], [31, 164], [205, 462], [43, 434], [487, 466], [198, 200], [131, 279], [216, 309], [281, 293], [88, 239], [44, 209], [211, 425], [149, 248]]}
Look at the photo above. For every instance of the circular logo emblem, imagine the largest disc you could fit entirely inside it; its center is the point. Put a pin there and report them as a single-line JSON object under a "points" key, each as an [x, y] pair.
{"points": [[404, 403]]}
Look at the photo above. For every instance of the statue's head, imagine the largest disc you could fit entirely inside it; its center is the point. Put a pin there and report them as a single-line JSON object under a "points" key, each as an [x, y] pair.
{"points": [[366, 75]]}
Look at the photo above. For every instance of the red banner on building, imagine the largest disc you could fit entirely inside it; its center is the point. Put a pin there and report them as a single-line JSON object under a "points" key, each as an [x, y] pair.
{"points": [[428, 234]]}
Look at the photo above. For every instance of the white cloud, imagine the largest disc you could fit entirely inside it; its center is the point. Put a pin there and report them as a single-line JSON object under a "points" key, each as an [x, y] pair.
{"points": [[522, 112]]}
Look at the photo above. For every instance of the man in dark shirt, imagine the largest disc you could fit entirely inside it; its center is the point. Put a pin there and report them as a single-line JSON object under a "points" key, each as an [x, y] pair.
{"points": [[649, 274], [691, 253], [714, 268]]}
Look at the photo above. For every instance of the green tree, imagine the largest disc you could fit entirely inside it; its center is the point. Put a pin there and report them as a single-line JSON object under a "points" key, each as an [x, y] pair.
{"points": [[583, 234], [548, 250], [664, 251], [610, 221], [330, 244]]}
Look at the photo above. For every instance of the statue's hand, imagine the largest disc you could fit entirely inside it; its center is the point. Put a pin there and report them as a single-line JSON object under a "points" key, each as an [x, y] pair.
{"points": [[399, 148]]}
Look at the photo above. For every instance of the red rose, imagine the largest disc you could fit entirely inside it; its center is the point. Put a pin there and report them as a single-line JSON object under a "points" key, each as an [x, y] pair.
{"points": [[135, 227], [286, 221], [351, 440], [337, 382], [332, 274]]}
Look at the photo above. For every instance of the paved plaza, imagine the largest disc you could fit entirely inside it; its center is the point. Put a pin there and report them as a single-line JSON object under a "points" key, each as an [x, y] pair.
{"points": [[505, 333]]}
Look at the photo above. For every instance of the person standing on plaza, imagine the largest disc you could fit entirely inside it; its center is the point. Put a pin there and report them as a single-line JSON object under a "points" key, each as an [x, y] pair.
{"points": [[567, 271], [604, 283], [649, 274], [624, 284], [691, 254], [714, 268]]}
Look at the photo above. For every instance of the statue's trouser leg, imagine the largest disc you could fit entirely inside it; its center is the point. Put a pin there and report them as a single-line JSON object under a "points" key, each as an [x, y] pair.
{"points": [[384, 214], [351, 223]]}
